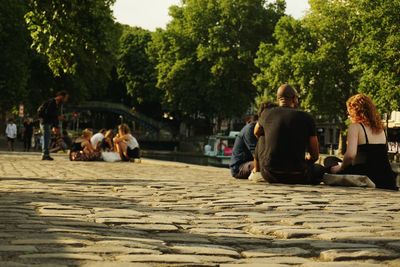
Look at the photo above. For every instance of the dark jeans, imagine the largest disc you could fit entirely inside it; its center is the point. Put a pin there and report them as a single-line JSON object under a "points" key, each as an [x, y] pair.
{"points": [[244, 170], [312, 175], [27, 142], [46, 130]]}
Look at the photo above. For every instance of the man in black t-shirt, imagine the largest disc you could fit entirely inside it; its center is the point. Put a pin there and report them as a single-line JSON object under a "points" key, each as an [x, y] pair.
{"points": [[289, 134]]}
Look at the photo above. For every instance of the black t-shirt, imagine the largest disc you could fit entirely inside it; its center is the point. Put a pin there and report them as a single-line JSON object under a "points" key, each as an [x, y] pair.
{"points": [[286, 139], [51, 113]]}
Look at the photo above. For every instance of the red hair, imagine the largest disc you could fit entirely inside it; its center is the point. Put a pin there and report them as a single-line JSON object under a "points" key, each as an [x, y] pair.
{"points": [[362, 110]]}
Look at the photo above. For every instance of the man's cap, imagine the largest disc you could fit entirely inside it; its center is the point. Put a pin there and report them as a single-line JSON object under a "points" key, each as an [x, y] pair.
{"points": [[286, 91]]}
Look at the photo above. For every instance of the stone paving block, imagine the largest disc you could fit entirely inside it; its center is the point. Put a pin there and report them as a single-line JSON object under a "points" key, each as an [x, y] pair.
{"points": [[22, 248], [253, 265], [276, 260], [393, 263], [357, 254], [166, 258], [118, 220], [342, 264], [214, 259], [13, 264], [66, 256], [153, 227], [344, 235], [113, 264], [204, 250], [5, 235], [182, 237], [274, 252], [331, 245], [55, 241], [297, 233], [394, 245]]}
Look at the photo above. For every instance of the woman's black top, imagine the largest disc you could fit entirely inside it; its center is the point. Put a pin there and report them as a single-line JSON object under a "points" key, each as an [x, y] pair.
{"points": [[372, 160]]}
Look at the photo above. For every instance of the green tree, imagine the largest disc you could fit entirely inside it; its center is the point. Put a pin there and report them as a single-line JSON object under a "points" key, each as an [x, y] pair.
{"points": [[14, 56], [78, 38], [205, 56], [137, 71], [376, 57], [313, 55]]}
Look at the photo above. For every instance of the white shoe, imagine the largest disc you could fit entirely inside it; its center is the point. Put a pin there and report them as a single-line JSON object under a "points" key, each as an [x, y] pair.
{"points": [[256, 177]]}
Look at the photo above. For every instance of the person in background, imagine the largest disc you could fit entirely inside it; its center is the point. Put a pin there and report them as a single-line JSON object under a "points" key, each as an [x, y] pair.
{"points": [[107, 143], [11, 133], [242, 158], [125, 144], [48, 113], [28, 132], [66, 139], [82, 149], [97, 139], [367, 149]]}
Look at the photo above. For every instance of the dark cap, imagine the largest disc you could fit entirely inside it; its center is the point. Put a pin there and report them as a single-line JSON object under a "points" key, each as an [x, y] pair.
{"points": [[286, 91]]}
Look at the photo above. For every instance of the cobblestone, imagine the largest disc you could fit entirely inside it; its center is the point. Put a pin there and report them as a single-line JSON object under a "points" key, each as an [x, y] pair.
{"points": [[156, 213]]}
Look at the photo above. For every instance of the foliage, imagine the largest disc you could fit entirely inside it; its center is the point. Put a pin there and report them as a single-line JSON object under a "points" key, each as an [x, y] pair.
{"points": [[14, 49], [377, 55], [78, 38], [205, 56], [313, 55], [137, 71]]}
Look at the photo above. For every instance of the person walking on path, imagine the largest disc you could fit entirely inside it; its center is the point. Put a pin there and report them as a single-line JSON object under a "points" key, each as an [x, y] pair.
{"points": [[367, 148], [289, 134], [11, 133], [48, 113]]}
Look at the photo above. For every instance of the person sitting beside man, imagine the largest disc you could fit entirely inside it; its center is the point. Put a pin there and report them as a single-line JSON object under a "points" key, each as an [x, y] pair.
{"points": [[241, 163], [288, 134]]}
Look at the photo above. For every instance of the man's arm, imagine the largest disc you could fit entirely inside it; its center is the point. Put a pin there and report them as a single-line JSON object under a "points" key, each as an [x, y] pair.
{"points": [[258, 130], [313, 149]]}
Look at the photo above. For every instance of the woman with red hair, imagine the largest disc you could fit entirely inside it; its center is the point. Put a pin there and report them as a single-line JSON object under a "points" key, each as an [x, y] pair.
{"points": [[366, 152]]}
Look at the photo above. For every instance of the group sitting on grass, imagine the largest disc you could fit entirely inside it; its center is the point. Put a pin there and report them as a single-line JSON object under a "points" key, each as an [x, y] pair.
{"points": [[287, 146], [105, 146]]}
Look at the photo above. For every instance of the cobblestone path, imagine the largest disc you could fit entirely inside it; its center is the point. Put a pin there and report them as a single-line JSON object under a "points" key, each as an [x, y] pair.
{"points": [[157, 213]]}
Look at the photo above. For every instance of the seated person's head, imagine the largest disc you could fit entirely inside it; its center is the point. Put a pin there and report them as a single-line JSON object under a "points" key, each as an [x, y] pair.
{"points": [[287, 96], [123, 129], [361, 109], [109, 133], [102, 131], [87, 134], [251, 118]]}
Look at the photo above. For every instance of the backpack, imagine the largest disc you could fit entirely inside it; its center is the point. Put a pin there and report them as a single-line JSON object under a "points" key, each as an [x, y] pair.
{"points": [[42, 110]]}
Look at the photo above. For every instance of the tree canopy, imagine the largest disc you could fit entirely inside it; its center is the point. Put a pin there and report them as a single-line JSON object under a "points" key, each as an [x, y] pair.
{"points": [[205, 56], [14, 56], [338, 49]]}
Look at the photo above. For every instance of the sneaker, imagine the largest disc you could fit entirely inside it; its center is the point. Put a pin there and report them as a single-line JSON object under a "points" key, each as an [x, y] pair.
{"points": [[256, 177], [47, 158]]}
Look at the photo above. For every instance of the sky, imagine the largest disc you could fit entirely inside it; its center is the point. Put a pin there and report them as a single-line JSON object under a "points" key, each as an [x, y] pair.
{"points": [[152, 14]]}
